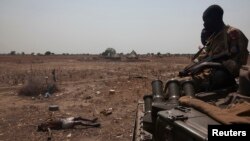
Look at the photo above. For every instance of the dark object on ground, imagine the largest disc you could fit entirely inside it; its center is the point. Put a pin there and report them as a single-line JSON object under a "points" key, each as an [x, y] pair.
{"points": [[67, 123], [53, 108]]}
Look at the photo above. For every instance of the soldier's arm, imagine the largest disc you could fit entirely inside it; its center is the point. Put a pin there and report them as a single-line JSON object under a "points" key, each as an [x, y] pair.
{"points": [[234, 35], [202, 55]]}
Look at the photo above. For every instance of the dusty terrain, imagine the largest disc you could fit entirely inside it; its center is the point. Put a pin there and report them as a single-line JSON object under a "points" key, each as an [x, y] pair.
{"points": [[84, 83]]}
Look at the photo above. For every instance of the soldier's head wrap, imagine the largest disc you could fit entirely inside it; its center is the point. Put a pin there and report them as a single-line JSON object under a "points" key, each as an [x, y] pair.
{"points": [[214, 12], [213, 18]]}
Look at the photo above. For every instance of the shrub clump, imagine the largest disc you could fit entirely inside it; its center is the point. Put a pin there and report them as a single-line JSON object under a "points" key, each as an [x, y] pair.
{"points": [[35, 87]]}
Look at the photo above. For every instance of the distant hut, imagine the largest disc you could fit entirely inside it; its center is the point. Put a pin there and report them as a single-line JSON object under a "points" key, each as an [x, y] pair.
{"points": [[132, 56]]}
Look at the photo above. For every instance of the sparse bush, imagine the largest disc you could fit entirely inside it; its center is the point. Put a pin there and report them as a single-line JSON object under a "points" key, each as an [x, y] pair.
{"points": [[158, 54], [13, 53], [47, 53], [33, 87], [36, 86], [109, 52]]}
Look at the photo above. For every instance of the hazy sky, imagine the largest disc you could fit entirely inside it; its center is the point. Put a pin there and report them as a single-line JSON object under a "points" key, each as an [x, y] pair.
{"points": [[91, 26]]}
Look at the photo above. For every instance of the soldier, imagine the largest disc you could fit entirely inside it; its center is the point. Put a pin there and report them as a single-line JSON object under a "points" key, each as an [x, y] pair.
{"points": [[222, 40]]}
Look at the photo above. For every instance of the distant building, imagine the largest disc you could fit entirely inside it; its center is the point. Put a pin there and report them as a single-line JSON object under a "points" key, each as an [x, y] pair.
{"points": [[132, 55]]}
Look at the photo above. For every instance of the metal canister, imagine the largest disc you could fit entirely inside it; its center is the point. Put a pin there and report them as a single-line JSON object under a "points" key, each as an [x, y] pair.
{"points": [[188, 88], [173, 89], [157, 91], [147, 103]]}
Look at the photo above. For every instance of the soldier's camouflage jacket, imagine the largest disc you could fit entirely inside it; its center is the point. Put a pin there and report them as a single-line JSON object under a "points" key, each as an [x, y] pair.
{"points": [[232, 41]]}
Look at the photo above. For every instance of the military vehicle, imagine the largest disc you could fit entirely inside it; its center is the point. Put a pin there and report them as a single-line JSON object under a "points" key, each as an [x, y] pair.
{"points": [[162, 117]]}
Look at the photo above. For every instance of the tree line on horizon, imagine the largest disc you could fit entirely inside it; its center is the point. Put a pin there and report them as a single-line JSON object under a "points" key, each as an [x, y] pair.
{"points": [[108, 52]]}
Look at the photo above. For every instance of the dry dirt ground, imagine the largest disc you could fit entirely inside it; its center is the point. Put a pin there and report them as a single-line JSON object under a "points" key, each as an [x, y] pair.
{"points": [[84, 83]]}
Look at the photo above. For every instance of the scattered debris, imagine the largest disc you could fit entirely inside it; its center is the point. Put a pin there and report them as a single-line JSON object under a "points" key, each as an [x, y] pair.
{"points": [[87, 97], [140, 77], [97, 92], [53, 108], [51, 88], [69, 135], [47, 94], [111, 91], [119, 135], [107, 112]]}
